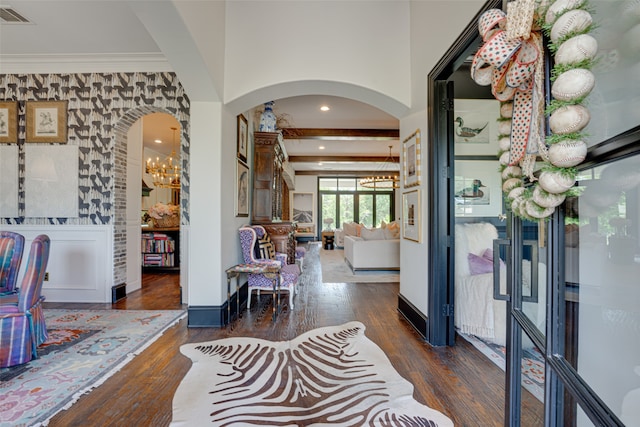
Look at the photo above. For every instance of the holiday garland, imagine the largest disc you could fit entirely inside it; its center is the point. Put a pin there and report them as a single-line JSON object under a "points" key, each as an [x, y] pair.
{"points": [[511, 61]]}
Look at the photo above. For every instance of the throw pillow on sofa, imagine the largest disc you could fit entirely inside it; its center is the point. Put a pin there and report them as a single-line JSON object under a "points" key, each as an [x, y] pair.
{"points": [[372, 234]]}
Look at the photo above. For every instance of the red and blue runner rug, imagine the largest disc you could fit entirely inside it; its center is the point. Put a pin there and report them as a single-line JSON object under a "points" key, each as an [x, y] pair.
{"points": [[85, 347]]}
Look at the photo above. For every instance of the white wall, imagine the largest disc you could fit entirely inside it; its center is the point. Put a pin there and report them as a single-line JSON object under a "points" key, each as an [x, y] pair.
{"points": [[414, 260], [203, 238], [363, 43], [80, 263]]}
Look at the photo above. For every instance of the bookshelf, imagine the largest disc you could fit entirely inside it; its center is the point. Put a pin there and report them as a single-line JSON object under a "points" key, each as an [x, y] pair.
{"points": [[160, 249]]}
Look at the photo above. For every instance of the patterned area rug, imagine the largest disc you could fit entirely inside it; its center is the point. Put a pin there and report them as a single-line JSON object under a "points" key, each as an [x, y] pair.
{"points": [[532, 363], [329, 376], [85, 347], [336, 270]]}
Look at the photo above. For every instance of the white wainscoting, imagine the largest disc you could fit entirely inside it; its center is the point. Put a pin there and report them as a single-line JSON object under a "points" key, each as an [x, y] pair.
{"points": [[80, 261]]}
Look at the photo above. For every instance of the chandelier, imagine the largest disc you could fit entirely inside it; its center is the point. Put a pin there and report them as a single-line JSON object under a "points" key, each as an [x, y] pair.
{"points": [[384, 179], [167, 173]]}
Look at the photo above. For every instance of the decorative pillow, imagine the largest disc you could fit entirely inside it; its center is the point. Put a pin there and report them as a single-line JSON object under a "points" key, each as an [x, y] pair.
{"points": [[479, 265], [391, 234], [349, 228], [393, 225], [265, 249], [372, 234], [488, 254]]}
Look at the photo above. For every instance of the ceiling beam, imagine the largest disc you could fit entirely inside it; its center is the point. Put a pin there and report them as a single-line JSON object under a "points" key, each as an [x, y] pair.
{"points": [[341, 134], [350, 174], [314, 159]]}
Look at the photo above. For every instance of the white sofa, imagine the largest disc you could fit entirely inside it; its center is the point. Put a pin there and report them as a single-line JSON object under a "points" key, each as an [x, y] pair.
{"points": [[379, 254]]}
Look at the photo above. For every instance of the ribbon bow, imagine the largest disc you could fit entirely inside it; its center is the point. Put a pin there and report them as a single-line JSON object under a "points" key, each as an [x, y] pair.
{"points": [[509, 65]]}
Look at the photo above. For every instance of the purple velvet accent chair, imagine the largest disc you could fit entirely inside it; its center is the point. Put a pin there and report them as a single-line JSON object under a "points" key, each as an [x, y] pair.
{"points": [[289, 273], [11, 250], [22, 323]]}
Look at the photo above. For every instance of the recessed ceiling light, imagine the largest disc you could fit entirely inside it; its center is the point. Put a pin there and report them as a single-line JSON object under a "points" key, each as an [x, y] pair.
{"points": [[324, 108], [319, 163], [157, 141], [321, 147]]}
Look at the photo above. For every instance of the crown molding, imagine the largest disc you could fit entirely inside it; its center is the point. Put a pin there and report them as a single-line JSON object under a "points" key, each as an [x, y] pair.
{"points": [[81, 63]]}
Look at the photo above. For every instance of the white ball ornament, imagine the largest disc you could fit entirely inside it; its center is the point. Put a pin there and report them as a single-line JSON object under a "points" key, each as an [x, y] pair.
{"points": [[536, 211], [570, 118], [545, 199], [511, 172], [567, 153], [510, 184], [573, 84], [504, 143], [576, 49], [555, 182], [559, 7], [574, 21], [504, 127], [504, 158], [516, 193], [506, 110]]}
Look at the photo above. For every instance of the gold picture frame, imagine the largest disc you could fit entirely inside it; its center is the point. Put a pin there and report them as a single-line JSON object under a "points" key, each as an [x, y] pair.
{"points": [[8, 122], [46, 121], [411, 221], [411, 155]]}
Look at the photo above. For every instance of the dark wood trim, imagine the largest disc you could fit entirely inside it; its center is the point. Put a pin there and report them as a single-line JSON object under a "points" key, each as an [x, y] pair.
{"points": [[343, 134], [314, 159], [415, 317]]}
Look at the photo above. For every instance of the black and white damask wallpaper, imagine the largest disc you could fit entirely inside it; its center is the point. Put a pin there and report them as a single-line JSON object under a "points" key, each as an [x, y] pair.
{"points": [[101, 108]]}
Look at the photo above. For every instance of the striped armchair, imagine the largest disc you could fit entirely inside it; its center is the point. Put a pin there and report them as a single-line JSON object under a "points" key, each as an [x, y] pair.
{"points": [[251, 237], [22, 323], [11, 249]]}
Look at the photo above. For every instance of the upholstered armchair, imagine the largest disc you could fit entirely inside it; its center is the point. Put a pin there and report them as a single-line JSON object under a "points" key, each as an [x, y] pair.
{"points": [[22, 323], [11, 249], [258, 248]]}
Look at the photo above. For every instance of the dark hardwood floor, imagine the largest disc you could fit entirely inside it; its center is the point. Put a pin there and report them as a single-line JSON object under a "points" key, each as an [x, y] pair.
{"points": [[459, 380]]}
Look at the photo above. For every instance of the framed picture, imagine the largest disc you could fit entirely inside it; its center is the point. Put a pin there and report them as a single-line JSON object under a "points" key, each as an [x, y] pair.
{"points": [[411, 154], [243, 137], [302, 208], [477, 188], [411, 227], [46, 121], [242, 189], [476, 129], [8, 121]]}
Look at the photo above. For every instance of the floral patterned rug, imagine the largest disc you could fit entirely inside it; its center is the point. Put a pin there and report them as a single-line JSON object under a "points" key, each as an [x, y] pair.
{"points": [[85, 347], [532, 363]]}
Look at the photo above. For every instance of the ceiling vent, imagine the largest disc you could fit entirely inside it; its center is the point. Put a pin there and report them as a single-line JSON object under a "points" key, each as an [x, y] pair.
{"points": [[9, 16]]}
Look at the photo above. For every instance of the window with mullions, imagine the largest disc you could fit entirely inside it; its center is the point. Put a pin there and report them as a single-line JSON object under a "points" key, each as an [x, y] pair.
{"points": [[345, 200]]}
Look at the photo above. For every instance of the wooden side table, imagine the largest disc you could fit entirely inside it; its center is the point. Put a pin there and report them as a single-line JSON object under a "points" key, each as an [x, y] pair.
{"points": [[328, 239], [271, 270]]}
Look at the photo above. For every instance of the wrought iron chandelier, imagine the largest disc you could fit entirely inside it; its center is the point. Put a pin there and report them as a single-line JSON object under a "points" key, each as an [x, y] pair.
{"points": [[166, 174], [384, 179]]}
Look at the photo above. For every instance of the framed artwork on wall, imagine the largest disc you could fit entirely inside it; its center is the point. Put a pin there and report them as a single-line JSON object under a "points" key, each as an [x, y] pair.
{"points": [[411, 155], [475, 126], [46, 121], [243, 137], [411, 221], [8, 121], [242, 189], [302, 208], [477, 188]]}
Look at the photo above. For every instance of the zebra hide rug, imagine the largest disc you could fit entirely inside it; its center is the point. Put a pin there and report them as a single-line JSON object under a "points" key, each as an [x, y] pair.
{"points": [[333, 376]]}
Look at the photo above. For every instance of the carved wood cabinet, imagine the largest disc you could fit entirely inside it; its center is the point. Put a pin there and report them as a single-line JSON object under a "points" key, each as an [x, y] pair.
{"points": [[267, 177], [270, 192]]}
